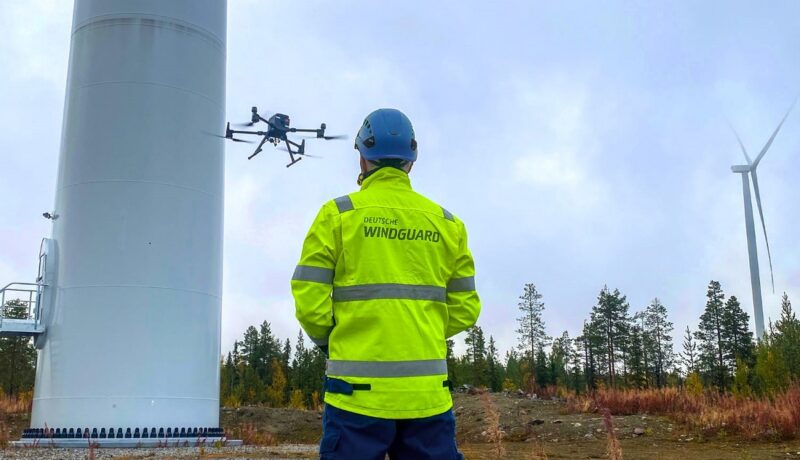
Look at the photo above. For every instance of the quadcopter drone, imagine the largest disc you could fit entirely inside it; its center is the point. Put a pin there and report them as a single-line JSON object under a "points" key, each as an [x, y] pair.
{"points": [[277, 129]]}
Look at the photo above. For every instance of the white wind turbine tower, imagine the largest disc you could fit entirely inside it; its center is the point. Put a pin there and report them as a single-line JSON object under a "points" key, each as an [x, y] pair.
{"points": [[744, 170]]}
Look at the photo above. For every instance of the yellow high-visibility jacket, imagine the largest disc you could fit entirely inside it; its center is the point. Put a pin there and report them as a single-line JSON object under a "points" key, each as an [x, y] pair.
{"points": [[384, 278]]}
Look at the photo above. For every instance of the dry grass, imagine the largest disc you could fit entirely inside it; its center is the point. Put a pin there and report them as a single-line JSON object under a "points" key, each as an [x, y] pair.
{"points": [[494, 434], [4, 436], [91, 453], [16, 404], [613, 449], [537, 451], [251, 435], [710, 413]]}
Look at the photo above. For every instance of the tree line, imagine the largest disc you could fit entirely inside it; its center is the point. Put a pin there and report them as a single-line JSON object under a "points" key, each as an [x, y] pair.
{"points": [[621, 349], [616, 348]]}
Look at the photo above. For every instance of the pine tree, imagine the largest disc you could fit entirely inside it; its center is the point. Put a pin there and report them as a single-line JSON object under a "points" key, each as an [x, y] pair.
{"points": [[250, 351], [560, 356], [689, 353], [17, 354], [736, 330], [648, 348], [770, 373], [286, 354], [574, 362], [542, 369], [590, 342], [657, 340], [637, 368], [787, 337], [609, 324], [299, 369], [268, 349], [513, 371], [532, 336], [228, 381], [711, 335], [476, 356], [495, 369]]}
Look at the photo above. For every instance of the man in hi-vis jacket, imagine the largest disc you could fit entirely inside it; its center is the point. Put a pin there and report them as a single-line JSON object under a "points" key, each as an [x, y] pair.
{"points": [[384, 279]]}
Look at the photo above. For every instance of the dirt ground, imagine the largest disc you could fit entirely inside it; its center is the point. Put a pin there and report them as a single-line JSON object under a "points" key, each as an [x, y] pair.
{"points": [[529, 426]]}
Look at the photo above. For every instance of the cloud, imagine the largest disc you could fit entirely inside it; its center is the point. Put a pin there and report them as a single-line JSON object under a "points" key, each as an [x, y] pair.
{"points": [[551, 136], [575, 159], [29, 45], [556, 169]]}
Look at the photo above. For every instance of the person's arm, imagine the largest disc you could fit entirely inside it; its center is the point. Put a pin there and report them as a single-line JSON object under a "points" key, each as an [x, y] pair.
{"points": [[463, 303], [312, 281]]}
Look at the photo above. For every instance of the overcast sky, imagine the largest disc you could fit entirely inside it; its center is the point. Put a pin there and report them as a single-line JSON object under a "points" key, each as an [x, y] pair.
{"points": [[583, 144]]}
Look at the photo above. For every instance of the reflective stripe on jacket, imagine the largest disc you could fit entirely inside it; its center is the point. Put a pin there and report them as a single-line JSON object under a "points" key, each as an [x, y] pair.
{"points": [[384, 278]]}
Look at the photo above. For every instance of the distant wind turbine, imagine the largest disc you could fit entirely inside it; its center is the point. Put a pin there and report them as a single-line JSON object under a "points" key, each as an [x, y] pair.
{"points": [[744, 170]]}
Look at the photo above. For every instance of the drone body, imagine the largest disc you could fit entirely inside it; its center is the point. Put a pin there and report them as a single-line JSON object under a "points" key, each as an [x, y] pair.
{"points": [[278, 126]]}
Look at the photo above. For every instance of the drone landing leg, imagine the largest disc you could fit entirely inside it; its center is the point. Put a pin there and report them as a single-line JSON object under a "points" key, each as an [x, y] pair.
{"points": [[294, 160], [289, 145], [258, 149]]}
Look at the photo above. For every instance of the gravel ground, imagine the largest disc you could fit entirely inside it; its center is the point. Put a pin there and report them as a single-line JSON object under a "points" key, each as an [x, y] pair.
{"points": [[285, 451]]}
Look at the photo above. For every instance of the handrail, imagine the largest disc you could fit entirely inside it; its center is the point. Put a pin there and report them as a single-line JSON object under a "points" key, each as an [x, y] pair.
{"points": [[33, 302]]}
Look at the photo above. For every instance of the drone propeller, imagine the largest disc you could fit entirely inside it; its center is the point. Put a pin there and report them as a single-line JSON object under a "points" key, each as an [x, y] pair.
{"points": [[228, 138], [327, 138], [264, 114]]}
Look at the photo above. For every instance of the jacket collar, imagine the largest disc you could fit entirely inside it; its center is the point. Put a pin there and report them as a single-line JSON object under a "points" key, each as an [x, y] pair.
{"points": [[387, 177]]}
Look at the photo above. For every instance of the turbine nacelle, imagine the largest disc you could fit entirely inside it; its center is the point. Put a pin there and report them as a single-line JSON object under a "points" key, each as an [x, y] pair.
{"points": [[741, 168]]}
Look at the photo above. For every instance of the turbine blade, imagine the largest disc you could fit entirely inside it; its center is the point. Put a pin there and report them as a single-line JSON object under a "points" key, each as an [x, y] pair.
{"points": [[772, 138], [763, 225], [739, 140]]}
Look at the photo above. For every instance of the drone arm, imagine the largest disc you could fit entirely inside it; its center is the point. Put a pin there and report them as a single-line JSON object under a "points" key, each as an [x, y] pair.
{"points": [[257, 133]]}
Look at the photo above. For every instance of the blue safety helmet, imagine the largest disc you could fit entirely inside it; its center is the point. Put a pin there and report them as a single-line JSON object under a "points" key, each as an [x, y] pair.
{"points": [[386, 133]]}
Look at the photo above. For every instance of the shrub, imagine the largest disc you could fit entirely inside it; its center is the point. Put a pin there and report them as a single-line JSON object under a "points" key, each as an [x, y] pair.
{"points": [[296, 400], [693, 384], [251, 435]]}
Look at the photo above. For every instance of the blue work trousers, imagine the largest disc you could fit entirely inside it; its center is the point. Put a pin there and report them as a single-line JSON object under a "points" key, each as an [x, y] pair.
{"points": [[349, 436]]}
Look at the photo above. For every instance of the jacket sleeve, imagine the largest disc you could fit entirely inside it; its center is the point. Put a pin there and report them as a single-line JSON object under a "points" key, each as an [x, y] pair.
{"points": [[312, 282], [463, 303]]}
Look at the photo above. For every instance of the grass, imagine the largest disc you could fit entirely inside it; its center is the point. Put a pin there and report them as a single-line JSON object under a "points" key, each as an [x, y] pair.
{"points": [[16, 404], [537, 451], [4, 436], [494, 434], [252, 436], [613, 447], [12, 405], [711, 413]]}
